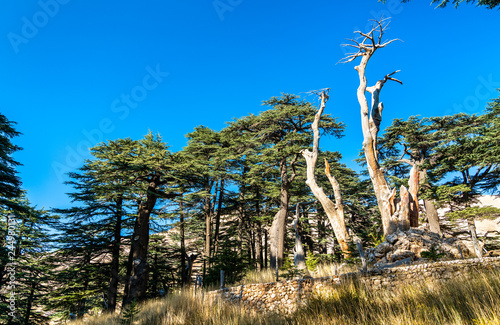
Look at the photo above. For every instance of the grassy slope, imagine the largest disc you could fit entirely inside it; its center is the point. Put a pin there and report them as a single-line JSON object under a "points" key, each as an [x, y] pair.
{"points": [[473, 300]]}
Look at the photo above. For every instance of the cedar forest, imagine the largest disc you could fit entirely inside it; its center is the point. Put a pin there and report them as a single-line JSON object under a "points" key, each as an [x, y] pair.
{"points": [[228, 198]]}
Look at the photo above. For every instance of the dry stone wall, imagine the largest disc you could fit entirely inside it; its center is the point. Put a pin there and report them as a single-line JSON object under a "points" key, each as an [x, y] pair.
{"points": [[285, 296]]}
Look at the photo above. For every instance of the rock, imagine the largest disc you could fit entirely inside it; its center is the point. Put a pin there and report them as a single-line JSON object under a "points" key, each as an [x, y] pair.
{"points": [[400, 254], [382, 249], [398, 263], [410, 244], [391, 238]]}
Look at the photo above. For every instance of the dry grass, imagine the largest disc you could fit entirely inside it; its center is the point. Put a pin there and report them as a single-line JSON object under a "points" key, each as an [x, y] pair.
{"points": [[474, 300], [322, 270]]}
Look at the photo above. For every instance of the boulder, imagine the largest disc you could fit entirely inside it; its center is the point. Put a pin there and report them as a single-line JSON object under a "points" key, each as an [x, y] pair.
{"points": [[409, 246]]}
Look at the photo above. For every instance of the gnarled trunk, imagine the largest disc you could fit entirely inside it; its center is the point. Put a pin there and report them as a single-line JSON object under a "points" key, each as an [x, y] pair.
{"points": [[371, 116], [334, 212]]}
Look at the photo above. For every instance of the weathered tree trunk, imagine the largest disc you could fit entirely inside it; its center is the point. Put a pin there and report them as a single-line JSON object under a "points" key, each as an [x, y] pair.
{"points": [[334, 212], [370, 122], [404, 209], [432, 217], [277, 232], [413, 187], [115, 256], [298, 252], [430, 208], [359, 245], [475, 242]]}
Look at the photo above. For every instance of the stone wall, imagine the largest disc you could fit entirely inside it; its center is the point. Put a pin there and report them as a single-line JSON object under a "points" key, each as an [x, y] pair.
{"points": [[285, 296]]}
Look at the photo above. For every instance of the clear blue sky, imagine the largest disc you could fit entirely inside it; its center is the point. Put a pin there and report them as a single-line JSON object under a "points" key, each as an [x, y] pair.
{"points": [[73, 73]]}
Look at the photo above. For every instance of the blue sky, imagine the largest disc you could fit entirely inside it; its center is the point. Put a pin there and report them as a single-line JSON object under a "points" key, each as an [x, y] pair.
{"points": [[74, 73]]}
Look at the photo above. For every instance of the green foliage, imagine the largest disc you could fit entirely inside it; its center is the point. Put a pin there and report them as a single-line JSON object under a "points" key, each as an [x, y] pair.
{"points": [[477, 213], [377, 239], [432, 254], [312, 262], [231, 262], [287, 263], [451, 196], [11, 183], [129, 315]]}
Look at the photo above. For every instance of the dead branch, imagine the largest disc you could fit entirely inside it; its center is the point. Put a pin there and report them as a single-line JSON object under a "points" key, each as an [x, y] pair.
{"points": [[374, 37]]}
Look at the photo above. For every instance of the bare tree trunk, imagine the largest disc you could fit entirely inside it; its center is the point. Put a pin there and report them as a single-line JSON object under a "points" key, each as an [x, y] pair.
{"points": [[432, 217], [359, 245], [334, 212], [277, 232], [413, 186], [430, 208], [298, 252], [475, 242], [404, 210], [370, 121]]}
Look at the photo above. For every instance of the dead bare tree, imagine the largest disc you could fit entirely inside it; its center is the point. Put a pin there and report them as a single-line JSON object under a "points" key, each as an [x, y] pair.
{"points": [[334, 211], [394, 216]]}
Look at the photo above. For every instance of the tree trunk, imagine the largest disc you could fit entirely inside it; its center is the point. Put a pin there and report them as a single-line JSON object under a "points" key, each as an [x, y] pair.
{"points": [[265, 249], [138, 281], [475, 242], [277, 232], [404, 210], [218, 214], [208, 228], [370, 127], [413, 186], [334, 212], [432, 217], [115, 257], [430, 208], [298, 252], [82, 302], [155, 279], [371, 116], [183, 245], [29, 303], [258, 235]]}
